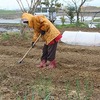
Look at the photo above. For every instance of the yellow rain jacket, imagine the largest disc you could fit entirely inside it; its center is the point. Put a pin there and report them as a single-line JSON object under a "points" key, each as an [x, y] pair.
{"points": [[40, 22]]}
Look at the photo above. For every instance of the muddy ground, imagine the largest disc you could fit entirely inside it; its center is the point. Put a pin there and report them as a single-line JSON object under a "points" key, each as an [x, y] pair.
{"points": [[75, 65]]}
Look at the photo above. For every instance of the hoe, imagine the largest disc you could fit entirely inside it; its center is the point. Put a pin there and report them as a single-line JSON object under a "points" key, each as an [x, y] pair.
{"points": [[20, 61]]}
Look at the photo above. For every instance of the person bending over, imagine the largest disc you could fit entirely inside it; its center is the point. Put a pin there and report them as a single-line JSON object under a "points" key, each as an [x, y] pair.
{"points": [[50, 35]]}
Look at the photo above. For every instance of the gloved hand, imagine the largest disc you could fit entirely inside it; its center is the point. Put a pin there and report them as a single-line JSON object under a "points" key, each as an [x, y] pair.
{"points": [[42, 32], [33, 44]]}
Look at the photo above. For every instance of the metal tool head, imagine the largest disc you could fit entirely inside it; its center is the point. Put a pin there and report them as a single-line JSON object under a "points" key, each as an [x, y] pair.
{"points": [[19, 62]]}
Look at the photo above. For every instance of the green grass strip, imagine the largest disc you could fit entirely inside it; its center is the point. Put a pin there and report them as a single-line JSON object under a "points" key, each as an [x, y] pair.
{"points": [[67, 89], [47, 97], [78, 88]]}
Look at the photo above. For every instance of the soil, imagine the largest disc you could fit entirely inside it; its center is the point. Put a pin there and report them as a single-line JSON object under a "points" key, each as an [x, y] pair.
{"points": [[77, 66]]}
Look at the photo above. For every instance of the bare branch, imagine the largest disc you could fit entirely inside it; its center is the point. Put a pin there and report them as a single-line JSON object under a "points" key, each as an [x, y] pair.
{"points": [[28, 3], [34, 5], [31, 3], [20, 6], [75, 4]]}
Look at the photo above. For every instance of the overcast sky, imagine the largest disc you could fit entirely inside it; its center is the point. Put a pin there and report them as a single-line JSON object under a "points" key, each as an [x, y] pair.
{"points": [[12, 4]]}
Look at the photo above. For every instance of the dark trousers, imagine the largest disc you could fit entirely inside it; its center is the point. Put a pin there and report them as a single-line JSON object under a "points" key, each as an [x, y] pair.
{"points": [[49, 52]]}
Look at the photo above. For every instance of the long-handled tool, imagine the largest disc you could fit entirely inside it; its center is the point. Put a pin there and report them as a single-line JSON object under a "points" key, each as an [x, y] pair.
{"points": [[29, 49]]}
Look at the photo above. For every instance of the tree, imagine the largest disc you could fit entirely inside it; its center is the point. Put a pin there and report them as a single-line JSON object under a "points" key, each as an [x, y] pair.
{"points": [[78, 5], [53, 6], [32, 5], [78, 8], [70, 12], [51, 3]]}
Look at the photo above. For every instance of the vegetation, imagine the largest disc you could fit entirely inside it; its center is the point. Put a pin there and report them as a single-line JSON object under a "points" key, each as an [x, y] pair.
{"points": [[35, 3], [81, 25], [4, 12], [44, 91], [77, 5], [98, 25], [10, 35], [70, 12], [7, 36], [62, 20], [96, 20]]}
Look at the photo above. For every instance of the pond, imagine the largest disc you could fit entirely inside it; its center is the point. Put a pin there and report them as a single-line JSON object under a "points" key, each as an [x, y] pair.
{"points": [[6, 25], [6, 21]]}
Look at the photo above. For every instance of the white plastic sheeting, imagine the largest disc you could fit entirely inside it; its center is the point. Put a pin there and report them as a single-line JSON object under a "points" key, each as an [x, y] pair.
{"points": [[81, 38]]}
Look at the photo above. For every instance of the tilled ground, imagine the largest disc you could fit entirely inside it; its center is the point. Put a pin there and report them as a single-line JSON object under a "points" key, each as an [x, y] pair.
{"points": [[75, 64]]}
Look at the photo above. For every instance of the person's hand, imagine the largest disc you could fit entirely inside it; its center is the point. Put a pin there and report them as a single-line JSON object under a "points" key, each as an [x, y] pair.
{"points": [[32, 44], [42, 32]]}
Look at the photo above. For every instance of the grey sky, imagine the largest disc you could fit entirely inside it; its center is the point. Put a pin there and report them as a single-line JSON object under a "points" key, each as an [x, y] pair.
{"points": [[12, 4]]}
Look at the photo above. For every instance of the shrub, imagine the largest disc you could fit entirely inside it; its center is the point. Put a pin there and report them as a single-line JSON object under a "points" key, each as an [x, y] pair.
{"points": [[62, 20], [98, 25], [5, 36], [96, 20]]}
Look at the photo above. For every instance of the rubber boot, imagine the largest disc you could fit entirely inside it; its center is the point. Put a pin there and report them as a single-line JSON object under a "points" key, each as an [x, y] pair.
{"points": [[42, 64], [52, 64]]}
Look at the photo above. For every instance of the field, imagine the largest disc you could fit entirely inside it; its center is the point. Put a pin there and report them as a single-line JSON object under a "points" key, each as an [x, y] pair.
{"points": [[76, 77]]}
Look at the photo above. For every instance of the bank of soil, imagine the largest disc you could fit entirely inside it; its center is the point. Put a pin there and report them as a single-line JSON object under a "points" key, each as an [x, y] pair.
{"points": [[73, 63]]}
